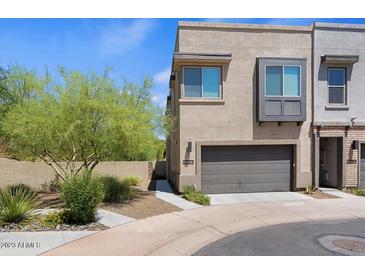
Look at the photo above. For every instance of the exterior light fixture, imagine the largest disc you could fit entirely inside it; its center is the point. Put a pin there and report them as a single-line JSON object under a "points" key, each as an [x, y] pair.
{"points": [[189, 148], [355, 144]]}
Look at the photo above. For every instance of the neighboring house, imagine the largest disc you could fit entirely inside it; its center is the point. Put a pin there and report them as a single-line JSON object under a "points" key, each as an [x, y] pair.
{"points": [[241, 96], [338, 103]]}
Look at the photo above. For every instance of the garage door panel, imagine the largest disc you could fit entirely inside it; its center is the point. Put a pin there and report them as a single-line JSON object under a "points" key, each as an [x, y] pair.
{"points": [[245, 167], [247, 178], [231, 169], [244, 188], [251, 153]]}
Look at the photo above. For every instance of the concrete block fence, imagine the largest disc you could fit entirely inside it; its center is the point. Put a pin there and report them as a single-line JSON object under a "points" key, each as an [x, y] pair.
{"points": [[37, 173]]}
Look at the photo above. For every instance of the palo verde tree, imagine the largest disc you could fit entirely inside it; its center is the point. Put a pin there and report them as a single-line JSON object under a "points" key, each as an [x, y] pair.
{"points": [[84, 119]]}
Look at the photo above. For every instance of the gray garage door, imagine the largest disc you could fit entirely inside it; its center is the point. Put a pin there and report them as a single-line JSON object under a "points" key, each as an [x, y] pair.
{"points": [[362, 167], [232, 169]]}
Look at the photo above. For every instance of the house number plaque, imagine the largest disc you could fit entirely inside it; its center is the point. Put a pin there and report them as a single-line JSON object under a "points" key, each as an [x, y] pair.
{"points": [[188, 162]]}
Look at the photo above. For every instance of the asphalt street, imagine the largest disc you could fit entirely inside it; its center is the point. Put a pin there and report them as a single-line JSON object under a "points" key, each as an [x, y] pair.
{"points": [[297, 239]]}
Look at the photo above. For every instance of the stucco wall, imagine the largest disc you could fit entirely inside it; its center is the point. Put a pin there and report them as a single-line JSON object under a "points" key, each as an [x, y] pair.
{"points": [[37, 173], [234, 119], [339, 40]]}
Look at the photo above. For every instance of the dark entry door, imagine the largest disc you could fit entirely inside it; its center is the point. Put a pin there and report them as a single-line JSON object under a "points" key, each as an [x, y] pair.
{"points": [[362, 167]]}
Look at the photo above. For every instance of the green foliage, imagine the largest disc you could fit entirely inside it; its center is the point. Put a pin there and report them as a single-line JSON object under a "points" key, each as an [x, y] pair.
{"points": [[310, 189], [81, 194], [132, 180], [161, 148], [52, 186], [116, 191], [17, 205], [86, 118], [358, 191], [20, 187], [190, 194], [17, 84], [55, 218]]}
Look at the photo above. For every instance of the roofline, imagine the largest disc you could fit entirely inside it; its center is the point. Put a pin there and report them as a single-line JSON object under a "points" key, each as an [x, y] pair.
{"points": [[339, 26], [239, 26]]}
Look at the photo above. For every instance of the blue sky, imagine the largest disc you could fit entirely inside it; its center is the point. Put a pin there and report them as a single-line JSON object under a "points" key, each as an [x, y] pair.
{"points": [[132, 47]]}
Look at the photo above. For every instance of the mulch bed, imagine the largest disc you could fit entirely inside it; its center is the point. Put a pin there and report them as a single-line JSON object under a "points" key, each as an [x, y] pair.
{"points": [[37, 226], [143, 205], [321, 195], [50, 200]]}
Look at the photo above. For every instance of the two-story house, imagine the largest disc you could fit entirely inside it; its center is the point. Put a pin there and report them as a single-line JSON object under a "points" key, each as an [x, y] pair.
{"points": [[241, 98], [267, 108], [338, 111]]}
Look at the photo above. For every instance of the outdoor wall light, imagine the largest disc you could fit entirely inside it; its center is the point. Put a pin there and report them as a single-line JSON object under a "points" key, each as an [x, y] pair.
{"points": [[189, 148], [355, 144]]}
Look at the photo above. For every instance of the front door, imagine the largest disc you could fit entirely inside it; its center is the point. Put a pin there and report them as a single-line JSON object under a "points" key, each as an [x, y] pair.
{"points": [[362, 166]]}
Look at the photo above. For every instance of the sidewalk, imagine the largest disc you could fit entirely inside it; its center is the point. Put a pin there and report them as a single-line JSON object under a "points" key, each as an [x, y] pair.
{"points": [[36, 243], [185, 232], [165, 193]]}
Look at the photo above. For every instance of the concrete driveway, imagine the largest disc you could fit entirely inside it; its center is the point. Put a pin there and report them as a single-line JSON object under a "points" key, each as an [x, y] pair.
{"points": [[235, 198], [186, 232]]}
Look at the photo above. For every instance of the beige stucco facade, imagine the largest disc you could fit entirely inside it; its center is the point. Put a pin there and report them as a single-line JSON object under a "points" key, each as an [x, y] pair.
{"points": [[232, 120], [345, 121]]}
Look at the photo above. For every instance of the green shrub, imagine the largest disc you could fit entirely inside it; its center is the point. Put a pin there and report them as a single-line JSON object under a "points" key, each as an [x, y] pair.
{"points": [[82, 194], [190, 194], [116, 191], [310, 190], [358, 191], [20, 187], [131, 180], [52, 186], [55, 218], [17, 205]]}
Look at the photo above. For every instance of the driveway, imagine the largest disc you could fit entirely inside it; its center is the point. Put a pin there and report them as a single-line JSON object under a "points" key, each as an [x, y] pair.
{"points": [[299, 239], [186, 232], [234, 198]]}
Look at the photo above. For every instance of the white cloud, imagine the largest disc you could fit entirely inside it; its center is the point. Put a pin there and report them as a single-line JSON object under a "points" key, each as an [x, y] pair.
{"points": [[159, 100], [118, 39], [155, 99], [163, 76]]}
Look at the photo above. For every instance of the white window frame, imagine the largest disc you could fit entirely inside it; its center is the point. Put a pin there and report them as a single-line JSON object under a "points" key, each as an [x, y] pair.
{"points": [[202, 84], [282, 81], [344, 86]]}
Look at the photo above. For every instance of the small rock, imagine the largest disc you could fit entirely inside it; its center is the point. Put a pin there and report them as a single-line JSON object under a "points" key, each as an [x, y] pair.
{"points": [[58, 227]]}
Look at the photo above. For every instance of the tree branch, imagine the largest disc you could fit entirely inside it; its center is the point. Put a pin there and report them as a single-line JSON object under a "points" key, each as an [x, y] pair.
{"points": [[62, 176]]}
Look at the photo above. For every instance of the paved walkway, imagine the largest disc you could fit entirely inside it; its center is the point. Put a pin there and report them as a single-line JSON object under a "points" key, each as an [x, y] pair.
{"points": [[338, 193], [39, 242], [112, 219], [35, 243], [235, 198], [185, 232], [165, 193]]}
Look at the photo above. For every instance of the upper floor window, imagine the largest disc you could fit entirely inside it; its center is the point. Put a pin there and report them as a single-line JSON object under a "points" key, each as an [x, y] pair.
{"points": [[202, 82], [282, 81], [337, 86]]}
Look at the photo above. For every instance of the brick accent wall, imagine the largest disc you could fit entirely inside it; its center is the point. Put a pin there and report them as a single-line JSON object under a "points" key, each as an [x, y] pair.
{"points": [[353, 133]]}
